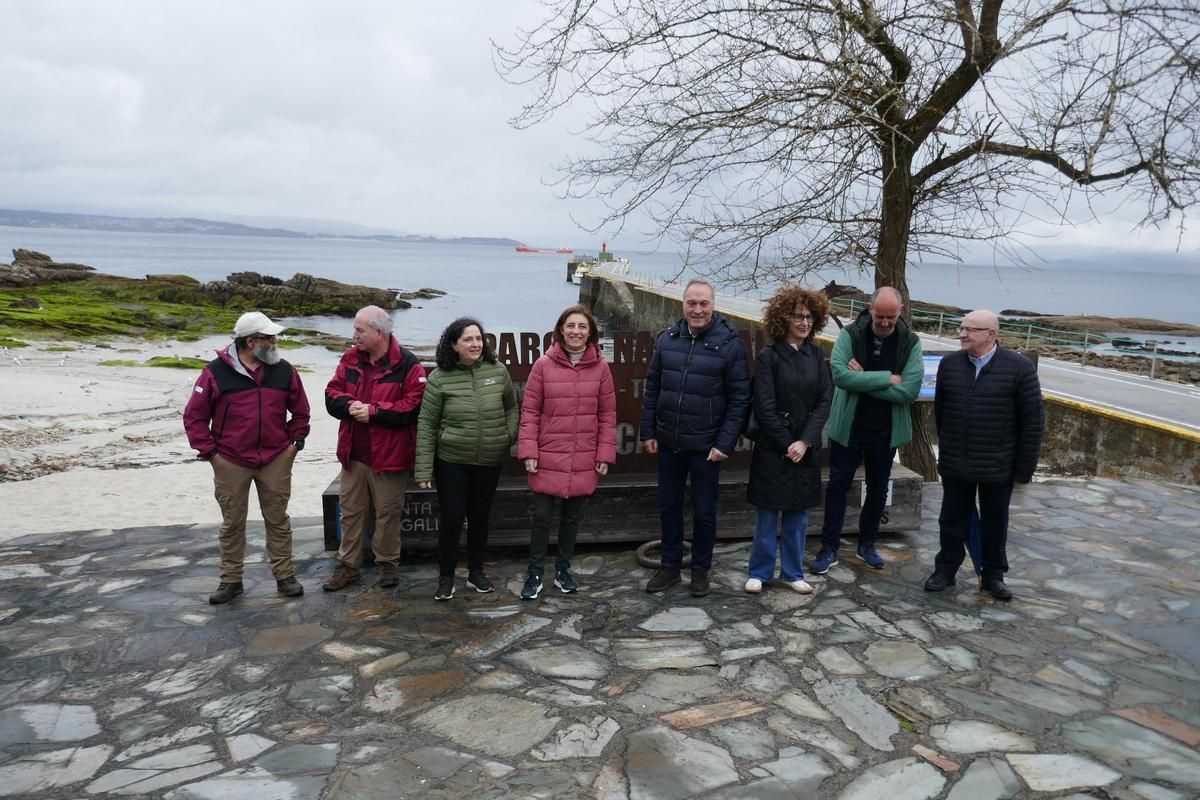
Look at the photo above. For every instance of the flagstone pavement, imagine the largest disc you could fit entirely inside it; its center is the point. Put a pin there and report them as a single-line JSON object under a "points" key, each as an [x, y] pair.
{"points": [[118, 679]]}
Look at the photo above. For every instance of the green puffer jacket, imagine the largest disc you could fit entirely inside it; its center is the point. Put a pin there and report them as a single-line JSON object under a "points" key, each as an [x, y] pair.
{"points": [[469, 416]]}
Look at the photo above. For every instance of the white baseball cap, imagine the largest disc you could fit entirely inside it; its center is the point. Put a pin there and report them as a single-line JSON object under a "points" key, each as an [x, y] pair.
{"points": [[253, 322]]}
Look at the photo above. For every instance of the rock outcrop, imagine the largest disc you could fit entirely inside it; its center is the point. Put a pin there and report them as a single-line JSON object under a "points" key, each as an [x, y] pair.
{"points": [[31, 268]]}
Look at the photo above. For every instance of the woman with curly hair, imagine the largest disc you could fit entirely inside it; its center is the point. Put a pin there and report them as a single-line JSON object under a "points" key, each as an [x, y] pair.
{"points": [[468, 422], [791, 397]]}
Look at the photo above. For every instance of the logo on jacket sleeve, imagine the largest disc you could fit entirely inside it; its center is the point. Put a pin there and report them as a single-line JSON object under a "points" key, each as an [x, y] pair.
{"points": [[422, 379], [488, 381], [199, 390]]}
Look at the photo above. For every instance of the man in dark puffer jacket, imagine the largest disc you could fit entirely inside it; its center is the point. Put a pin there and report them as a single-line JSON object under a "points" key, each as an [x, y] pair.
{"points": [[990, 418], [696, 398]]}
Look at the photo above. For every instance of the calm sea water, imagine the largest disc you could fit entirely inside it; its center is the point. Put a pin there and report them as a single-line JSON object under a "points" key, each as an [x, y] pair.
{"points": [[512, 291]]}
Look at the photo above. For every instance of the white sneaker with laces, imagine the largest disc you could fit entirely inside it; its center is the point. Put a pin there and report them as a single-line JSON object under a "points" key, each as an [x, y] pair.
{"points": [[754, 586], [801, 586]]}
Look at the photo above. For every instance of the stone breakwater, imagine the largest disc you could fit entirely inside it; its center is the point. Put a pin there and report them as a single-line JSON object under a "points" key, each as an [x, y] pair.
{"points": [[117, 679]]}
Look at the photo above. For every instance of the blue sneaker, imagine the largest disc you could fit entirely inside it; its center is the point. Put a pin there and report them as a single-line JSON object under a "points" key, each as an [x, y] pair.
{"points": [[565, 583], [533, 586], [824, 560], [869, 557]]}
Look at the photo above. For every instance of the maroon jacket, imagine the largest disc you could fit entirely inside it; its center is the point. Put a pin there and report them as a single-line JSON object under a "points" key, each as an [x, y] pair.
{"points": [[568, 422], [395, 400], [244, 420]]}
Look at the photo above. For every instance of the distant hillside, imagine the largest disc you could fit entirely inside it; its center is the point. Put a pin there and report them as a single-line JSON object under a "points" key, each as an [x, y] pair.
{"points": [[101, 222]]}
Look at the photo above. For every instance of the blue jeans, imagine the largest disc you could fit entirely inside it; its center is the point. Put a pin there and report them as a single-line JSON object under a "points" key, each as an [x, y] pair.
{"points": [[674, 467], [791, 546], [872, 449]]}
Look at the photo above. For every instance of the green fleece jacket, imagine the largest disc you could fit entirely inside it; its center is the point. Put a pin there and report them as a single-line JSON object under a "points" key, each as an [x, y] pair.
{"points": [[469, 416], [849, 384]]}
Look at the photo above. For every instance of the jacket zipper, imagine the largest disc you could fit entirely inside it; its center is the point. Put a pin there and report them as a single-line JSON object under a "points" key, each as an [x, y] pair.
{"points": [[687, 365]]}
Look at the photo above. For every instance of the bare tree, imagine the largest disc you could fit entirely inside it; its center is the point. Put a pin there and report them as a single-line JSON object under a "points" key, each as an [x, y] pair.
{"points": [[780, 137]]}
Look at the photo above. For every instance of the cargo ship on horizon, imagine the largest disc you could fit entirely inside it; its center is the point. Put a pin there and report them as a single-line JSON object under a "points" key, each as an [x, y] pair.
{"points": [[560, 250]]}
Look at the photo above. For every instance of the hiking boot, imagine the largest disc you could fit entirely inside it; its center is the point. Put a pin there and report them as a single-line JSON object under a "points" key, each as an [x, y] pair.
{"points": [[997, 589], [867, 553], [799, 586], [699, 582], [225, 592], [289, 587], [532, 587], [342, 577], [445, 588], [937, 582], [389, 576], [479, 582], [753, 586], [664, 578], [825, 559], [563, 580]]}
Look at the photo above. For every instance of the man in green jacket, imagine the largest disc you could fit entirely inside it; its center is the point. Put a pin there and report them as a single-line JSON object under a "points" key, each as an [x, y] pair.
{"points": [[877, 372]]}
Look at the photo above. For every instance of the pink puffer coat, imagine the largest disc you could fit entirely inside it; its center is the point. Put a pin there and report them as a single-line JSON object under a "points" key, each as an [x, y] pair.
{"points": [[568, 422]]}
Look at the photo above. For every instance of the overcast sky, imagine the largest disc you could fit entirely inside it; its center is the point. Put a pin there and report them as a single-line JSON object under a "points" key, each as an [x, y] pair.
{"points": [[387, 114]]}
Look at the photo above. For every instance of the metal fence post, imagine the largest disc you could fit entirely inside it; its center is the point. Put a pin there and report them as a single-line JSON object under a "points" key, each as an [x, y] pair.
{"points": [[1028, 335], [1153, 360], [1083, 355], [941, 317]]}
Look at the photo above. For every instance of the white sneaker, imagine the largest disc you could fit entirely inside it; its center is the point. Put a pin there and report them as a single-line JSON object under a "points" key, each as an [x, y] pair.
{"points": [[754, 586], [800, 586]]}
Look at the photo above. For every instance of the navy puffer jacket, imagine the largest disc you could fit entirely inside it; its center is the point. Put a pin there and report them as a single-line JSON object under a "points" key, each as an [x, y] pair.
{"points": [[990, 427], [697, 390]]}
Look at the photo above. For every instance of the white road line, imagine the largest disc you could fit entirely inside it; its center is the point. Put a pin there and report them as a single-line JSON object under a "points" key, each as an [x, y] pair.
{"points": [[1131, 411], [1145, 383]]}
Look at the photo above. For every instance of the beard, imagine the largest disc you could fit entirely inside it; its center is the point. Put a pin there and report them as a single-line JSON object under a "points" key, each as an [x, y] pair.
{"points": [[266, 353]]}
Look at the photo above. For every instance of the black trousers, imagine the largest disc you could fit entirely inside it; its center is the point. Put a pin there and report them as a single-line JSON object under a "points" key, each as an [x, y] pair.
{"points": [[568, 530], [465, 491], [954, 521]]}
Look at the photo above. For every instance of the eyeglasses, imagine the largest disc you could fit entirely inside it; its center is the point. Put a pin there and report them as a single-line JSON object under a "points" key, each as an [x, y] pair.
{"points": [[262, 337], [969, 329], [800, 318]]}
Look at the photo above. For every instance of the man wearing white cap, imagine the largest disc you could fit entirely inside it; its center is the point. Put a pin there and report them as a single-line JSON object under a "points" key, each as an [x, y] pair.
{"points": [[238, 421]]}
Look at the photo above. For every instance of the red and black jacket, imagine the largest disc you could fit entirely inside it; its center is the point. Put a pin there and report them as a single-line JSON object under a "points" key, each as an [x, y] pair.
{"points": [[395, 400], [245, 420]]}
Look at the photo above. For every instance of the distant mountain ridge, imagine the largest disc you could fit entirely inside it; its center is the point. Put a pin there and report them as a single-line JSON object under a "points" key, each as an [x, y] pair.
{"points": [[14, 218]]}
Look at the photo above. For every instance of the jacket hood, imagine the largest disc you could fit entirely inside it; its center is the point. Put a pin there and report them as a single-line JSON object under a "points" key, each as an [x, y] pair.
{"points": [[355, 357], [556, 352], [716, 332]]}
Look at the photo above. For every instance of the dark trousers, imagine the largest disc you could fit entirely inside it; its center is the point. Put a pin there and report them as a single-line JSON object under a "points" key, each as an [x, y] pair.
{"points": [[465, 491], [954, 521], [568, 530], [674, 467], [872, 449]]}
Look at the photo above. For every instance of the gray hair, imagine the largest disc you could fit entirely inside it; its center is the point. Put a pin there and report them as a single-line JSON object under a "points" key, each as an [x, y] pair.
{"points": [[377, 318], [890, 290], [699, 282]]}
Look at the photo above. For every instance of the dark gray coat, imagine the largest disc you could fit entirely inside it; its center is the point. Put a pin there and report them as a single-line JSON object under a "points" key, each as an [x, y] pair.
{"points": [[792, 393], [990, 427]]}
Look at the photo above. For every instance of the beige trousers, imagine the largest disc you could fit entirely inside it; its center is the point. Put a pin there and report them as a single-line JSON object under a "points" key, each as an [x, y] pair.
{"points": [[232, 489], [360, 489]]}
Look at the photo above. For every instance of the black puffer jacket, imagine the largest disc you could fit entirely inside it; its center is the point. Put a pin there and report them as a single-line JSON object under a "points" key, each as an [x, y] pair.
{"points": [[990, 427], [792, 393], [697, 390]]}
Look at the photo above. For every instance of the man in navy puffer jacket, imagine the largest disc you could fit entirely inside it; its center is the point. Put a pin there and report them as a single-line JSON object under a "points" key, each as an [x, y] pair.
{"points": [[990, 417], [696, 398]]}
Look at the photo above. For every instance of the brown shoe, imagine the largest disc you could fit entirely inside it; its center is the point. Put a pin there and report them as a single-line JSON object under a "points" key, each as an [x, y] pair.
{"points": [[342, 577], [389, 576]]}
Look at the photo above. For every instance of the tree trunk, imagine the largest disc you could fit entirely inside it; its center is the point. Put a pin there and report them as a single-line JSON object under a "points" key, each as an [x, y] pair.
{"points": [[891, 262]]}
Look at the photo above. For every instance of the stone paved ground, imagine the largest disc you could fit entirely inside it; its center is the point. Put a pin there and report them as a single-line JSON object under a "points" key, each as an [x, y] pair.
{"points": [[118, 679]]}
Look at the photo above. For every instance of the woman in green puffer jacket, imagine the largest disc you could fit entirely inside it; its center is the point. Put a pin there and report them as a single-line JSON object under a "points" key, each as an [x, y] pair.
{"points": [[467, 424]]}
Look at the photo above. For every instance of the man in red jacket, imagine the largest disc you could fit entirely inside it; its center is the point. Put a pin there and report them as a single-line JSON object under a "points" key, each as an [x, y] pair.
{"points": [[238, 421], [376, 392]]}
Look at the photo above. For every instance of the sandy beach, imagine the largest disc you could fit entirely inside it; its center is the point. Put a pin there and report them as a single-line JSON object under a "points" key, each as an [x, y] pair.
{"points": [[86, 446]]}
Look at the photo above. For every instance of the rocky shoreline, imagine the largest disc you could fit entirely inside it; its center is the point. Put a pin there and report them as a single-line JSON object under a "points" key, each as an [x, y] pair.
{"points": [[40, 297]]}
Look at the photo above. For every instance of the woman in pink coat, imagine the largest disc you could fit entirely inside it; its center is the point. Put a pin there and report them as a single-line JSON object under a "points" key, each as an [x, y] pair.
{"points": [[568, 438]]}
